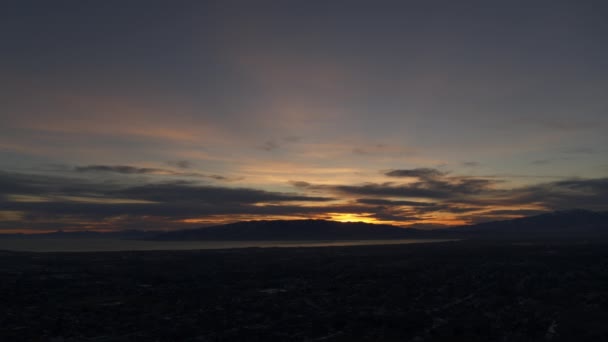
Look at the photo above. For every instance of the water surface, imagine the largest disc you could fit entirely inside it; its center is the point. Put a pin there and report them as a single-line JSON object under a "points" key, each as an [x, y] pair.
{"points": [[99, 245]]}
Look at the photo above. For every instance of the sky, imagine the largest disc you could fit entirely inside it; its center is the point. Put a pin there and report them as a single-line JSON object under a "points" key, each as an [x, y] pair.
{"points": [[167, 115]]}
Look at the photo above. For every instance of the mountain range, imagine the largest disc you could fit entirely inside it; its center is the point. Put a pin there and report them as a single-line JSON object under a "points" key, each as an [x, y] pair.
{"points": [[558, 224], [293, 230], [567, 223]]}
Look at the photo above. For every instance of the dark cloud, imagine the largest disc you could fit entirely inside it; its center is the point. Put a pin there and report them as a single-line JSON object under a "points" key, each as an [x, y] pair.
{"points": [[360, 151], [182, 164], [514, 212], [387, 190], [174, 210], [454, 209], [380, 201], [589, 194], [179, 191], [76, 203], [421, 173], [428, 187], [35, 184], [467, 185], [223, 178], [416, 209], [185, 193], [132, 170], [387, 216], [595, 186], [567, 194], [471, 164], [125, 169], [77, 215], [275, 144], [428, 226], [438, 184], [269, 145], [460, 195], [80, 202], [300, 184], [16, 184]]}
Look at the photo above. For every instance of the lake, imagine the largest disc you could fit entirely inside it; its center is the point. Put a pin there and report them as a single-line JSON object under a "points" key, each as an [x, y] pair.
{"points": [[100, 245]]}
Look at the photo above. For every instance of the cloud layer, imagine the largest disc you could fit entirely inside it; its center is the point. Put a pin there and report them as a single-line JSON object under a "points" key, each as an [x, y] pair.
{"points": [[198, 112], [42, 202]]}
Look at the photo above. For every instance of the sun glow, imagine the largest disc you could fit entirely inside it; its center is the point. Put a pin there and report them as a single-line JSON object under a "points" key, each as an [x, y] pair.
{"points": [[348, 217]]}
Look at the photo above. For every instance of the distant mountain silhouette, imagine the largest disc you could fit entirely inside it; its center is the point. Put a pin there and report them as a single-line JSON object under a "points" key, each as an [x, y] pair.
{"points": [[293, 230], [558, 224]]}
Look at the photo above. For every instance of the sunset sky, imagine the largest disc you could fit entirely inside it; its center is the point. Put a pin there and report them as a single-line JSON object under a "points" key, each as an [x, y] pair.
{"points": [[179, 114]]}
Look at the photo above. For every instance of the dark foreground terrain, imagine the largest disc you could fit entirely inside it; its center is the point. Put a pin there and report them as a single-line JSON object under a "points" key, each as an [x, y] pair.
{"points": [[459, 291]]}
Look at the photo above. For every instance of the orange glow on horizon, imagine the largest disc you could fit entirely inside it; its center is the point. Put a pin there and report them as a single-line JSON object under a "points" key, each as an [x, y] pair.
{"points": [[348, 217]]}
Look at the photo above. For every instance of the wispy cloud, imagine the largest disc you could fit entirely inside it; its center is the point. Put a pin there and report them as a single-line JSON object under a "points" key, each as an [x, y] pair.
{"points": [[471, 164], [422, 173], [125, 169], [275, 144], [132, 170], [382, 149], [429, 197], [182, 164], [427, 183], [52, 200], [380, 201], [269, 145]]}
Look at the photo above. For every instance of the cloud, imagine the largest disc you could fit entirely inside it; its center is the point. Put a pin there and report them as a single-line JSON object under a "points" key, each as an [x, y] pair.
{"points": [[360, 151], [175, 191], [269, 145], [300, 184], [378, 149], [122, 169], [387, 216], [467, 185], [80, 216], [60, 202], [460, 195], [421, 173], [471, 164], [210, 194], [514, 212], [275, 144], [72, 203], [386, 190], [589, 194], [426, 187], [35, 184], [437, 184], [222, 178], [48, 202], [131, 170], [15, 184], [182, 164], [379, 201]]}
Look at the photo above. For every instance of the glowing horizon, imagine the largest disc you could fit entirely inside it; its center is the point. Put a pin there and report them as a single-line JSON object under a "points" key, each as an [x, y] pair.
{"points": [[424, 115]]}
